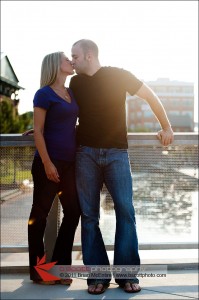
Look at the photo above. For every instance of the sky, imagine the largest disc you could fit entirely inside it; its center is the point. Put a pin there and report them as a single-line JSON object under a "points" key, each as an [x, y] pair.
{"points": [[152, 39]]}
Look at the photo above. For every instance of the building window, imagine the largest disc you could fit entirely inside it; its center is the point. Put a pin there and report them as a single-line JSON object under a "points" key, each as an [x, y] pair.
{"points": [[174, 113], [187, 89], [187, 113], [149, 125], [132, 116], [148, 113]]}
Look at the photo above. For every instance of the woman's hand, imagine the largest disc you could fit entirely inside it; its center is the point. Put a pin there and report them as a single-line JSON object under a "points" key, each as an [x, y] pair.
{"points": [[28, 132], [51, 172]]}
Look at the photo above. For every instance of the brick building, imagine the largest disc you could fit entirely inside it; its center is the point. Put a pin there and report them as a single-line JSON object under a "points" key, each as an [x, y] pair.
{"points": [[178, 100]]}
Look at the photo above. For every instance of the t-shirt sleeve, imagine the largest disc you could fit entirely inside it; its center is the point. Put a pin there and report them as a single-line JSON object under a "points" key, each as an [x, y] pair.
{"points": [[131, 83], [41, 100]]}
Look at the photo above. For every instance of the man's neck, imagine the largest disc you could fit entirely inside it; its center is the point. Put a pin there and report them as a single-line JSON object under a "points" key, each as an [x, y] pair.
{"points": [[93, 69]]}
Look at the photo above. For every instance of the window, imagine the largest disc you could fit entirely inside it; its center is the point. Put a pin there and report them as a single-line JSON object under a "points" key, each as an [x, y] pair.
{"points": [[148, 113], [174, 113]]}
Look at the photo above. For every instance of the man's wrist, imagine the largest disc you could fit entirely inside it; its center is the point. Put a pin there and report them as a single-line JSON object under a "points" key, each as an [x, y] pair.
{"points": [[168, 127]]}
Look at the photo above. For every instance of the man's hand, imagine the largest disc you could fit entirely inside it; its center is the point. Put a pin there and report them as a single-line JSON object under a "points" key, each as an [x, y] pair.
{"points": [[166, 136]]}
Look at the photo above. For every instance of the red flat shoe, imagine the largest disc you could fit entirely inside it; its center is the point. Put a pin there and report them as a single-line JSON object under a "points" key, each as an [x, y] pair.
{"points": [[67, 281], [52, 282]]}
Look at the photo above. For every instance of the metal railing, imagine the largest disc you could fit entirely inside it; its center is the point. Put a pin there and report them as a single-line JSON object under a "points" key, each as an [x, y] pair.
{"points": [[165, 187]]}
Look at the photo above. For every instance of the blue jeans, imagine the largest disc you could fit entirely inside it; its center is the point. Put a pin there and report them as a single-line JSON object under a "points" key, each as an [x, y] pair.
{"points": [[95, 166]]}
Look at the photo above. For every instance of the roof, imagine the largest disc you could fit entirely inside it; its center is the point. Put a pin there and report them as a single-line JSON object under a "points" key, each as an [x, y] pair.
{"points": [[9, 82], [8, 75], [168, 82]]}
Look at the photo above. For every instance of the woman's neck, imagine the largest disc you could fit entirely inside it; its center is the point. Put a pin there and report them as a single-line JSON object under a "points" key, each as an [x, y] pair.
{"points": [[59, 83]]}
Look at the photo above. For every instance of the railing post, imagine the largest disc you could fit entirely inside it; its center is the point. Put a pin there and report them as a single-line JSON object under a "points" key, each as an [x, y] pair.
{"points": [[51, 229]]}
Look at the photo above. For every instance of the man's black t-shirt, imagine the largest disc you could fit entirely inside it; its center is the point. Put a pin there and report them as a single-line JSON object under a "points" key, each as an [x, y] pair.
{"points": [[102, 112]]}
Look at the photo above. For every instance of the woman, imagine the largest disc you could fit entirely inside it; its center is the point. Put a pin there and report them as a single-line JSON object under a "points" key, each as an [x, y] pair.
{"points": [[53, 168]]}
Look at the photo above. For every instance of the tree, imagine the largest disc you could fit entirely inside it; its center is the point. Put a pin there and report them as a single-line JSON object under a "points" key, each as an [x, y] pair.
{"points": [[11, 122], [26, 120]]}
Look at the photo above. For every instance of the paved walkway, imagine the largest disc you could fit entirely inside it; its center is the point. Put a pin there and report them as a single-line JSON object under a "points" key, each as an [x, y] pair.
{"points": [[179, 284], [181, 281]]}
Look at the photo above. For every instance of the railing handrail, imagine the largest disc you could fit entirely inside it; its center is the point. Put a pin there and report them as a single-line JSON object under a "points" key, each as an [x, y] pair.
{"points": [[109, 247], [134, 139]]}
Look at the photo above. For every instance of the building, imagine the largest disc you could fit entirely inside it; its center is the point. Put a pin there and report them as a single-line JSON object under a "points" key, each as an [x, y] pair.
{"points": [[9, 87], [178, 100]]}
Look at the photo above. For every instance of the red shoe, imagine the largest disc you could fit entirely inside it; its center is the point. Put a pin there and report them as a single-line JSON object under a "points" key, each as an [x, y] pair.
{"points": [[52, 282], [66, 281]]}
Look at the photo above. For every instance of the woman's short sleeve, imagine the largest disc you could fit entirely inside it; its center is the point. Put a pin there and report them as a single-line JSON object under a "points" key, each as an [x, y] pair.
{"points": [[41, 99]]}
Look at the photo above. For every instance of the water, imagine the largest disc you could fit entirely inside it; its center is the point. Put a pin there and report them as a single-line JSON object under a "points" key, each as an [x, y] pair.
{"points": [[154, 229], [168, 214]]}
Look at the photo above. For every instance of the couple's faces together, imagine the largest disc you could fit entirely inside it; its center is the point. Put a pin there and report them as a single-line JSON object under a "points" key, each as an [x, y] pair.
{"points": [[78, 59]]}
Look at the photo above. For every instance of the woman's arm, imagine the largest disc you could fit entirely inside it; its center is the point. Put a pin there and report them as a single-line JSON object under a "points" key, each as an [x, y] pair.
{"points": [[39, 121]]}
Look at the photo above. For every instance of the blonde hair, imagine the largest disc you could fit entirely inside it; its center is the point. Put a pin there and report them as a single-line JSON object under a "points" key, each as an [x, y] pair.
{"points": [[49, 68]]}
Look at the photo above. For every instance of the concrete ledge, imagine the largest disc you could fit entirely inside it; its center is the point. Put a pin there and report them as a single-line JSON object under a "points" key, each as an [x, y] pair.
{"points": [[170, 267], [142, 246], [9, 194]]}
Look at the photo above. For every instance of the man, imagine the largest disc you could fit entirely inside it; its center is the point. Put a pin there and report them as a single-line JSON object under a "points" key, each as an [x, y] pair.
{"points": [[102, 157]]}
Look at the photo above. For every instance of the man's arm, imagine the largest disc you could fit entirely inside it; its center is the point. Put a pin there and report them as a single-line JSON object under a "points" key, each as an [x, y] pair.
{"points": [[166, 134]]}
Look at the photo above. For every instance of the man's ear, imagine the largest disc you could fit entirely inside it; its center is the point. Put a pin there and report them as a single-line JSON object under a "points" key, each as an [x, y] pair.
{"points": [[89, 56]]}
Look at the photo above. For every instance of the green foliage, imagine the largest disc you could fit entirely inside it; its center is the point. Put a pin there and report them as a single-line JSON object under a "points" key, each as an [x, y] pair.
{"points": [[16, 176], [6, 116], [27, 120], [11, 122]]}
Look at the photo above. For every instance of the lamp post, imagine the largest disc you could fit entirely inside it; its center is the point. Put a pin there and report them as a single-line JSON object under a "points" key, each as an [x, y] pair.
{"points": [[15, 98]]}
